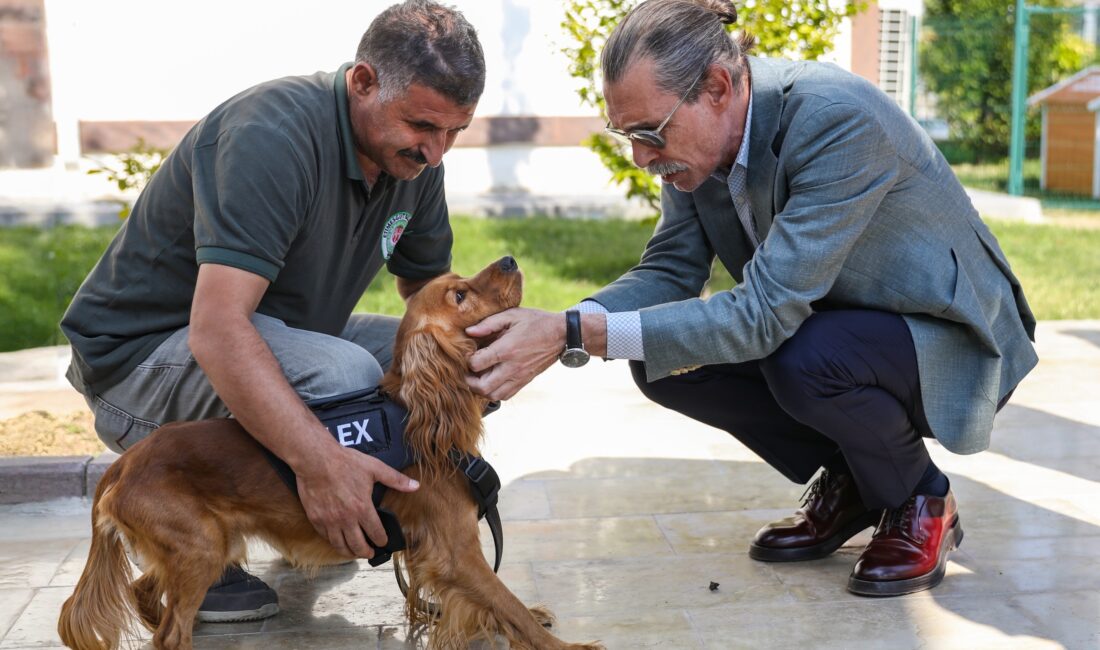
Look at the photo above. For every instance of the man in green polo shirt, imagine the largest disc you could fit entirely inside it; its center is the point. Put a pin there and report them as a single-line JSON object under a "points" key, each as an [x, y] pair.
{"points": [[230, 288]]}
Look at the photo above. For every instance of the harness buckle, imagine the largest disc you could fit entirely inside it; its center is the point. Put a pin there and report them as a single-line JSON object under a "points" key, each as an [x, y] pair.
{"points": [[476, 469]]}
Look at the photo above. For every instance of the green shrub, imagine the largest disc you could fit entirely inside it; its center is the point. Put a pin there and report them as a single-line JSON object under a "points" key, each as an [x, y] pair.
{"points": [[966, 58], [802, 30], [132, 169]]}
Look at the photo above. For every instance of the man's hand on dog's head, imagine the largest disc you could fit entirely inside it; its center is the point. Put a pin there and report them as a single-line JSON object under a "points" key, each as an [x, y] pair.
{"points": [[528, 342], [336, 494]]}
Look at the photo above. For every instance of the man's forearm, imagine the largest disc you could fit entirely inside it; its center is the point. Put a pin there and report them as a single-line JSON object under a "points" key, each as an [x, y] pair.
{"points": [[594, 334], [247, 377]]}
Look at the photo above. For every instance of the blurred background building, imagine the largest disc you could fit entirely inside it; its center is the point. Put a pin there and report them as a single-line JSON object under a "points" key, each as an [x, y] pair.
{"points": [[81, 80]]}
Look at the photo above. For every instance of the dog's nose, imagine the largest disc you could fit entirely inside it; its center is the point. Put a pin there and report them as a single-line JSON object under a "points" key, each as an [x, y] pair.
{"points": [[507, 264]]}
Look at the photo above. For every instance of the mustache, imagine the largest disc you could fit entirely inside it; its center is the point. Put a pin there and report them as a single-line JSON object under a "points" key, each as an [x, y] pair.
{"points": [[660, 169], [414, 155]]}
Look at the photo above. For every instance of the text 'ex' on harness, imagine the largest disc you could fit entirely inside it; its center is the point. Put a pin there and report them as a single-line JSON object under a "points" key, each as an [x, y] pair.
{"points": [[369, 421]]}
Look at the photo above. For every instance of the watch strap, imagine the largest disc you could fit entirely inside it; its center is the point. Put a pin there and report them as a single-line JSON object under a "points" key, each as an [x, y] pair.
{"points": [[573, 329]]}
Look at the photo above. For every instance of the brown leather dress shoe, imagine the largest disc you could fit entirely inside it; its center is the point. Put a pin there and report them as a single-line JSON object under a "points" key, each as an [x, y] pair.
{"points": [[909, 549], [831, 514]]}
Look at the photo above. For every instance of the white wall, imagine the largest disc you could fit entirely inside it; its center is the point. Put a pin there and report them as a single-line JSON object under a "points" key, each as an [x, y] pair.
{"points": [[173, 60], [156, 60], [176, 60]]}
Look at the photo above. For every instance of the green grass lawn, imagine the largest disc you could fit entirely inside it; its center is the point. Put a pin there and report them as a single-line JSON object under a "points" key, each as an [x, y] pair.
{"points": [[1058, 267], [563, 260]]}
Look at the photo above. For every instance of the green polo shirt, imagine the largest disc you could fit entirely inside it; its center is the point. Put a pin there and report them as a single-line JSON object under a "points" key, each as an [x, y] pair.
{"points": [[268, 182]]}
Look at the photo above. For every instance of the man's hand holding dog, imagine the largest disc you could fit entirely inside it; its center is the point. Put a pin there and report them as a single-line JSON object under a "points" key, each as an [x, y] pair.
{"points": [[529, 342], [334, 483], [336, 495]]}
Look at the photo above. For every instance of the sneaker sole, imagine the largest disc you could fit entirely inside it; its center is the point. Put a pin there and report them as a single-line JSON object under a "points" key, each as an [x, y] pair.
{"points": [[267, 611], [884, 588], [819, 550]]}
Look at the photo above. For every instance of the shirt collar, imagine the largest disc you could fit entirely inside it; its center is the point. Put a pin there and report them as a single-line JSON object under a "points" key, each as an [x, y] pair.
{"points": [[743, 150], [347, 138]]}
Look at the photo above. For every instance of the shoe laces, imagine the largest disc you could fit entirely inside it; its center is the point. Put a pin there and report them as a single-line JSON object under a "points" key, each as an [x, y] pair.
{"points": [[897, 518], [817, 488]]}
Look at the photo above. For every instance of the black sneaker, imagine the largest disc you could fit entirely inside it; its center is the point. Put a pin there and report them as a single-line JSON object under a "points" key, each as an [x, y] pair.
{"points": [[238, 596]]}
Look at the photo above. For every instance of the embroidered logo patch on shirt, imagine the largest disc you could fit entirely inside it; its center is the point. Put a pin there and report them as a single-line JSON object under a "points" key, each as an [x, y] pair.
{"points": [[395, 227]]}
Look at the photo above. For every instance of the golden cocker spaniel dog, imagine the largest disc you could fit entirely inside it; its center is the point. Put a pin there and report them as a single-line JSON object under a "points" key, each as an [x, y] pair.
{"points": [[187, 498]]}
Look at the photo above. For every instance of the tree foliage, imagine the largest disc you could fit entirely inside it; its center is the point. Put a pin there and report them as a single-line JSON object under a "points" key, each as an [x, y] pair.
{"points": [[132, 170], [966, 55], [802, 30]]}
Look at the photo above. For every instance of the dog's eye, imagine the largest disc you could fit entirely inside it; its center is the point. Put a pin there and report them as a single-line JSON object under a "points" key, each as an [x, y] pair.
{"points": [[459, 297]]}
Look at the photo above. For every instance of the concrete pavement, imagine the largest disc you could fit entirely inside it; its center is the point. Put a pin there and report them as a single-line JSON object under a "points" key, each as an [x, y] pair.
{"points": [[619, 514]]}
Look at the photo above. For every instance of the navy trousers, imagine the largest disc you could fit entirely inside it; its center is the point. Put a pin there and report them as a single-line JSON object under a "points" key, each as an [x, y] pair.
{"points": [[845, 383]]}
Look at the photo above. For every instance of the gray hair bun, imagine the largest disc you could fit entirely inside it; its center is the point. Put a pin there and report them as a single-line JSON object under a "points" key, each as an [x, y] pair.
{"points": [[724, 9]]}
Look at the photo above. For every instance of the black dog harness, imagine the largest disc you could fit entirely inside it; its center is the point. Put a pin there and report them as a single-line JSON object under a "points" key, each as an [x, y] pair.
{"points": [[369, 421]]}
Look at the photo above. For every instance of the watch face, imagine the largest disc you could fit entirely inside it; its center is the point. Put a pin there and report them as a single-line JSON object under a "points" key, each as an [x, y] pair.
{"points": [[574, 357]]}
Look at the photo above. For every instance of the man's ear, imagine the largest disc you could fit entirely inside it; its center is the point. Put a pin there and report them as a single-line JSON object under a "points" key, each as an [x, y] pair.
{"points": [[364, 79], [718, 86]]}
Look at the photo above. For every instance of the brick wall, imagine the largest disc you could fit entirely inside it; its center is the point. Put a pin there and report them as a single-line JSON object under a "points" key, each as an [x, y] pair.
{"points": [[865, 43], [26, 127]]}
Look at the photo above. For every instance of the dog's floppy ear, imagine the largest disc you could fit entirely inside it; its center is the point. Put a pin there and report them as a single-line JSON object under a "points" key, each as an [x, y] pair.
{"points": [[444, 413]]}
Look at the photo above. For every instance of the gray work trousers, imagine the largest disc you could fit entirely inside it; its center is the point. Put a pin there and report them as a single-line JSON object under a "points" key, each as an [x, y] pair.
{"points": [[169, 385]]}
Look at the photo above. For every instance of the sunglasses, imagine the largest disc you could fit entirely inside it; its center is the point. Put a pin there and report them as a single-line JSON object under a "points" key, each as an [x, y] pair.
{"points": [[651, 137]]}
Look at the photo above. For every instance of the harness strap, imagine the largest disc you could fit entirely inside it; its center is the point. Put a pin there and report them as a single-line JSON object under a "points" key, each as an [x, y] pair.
{"points": [[492, 517], [395, 538], [485, 487], [378, 425]]}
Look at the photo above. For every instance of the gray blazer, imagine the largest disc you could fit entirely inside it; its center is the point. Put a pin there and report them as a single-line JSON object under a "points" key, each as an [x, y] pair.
{"points": [[856, 208]]}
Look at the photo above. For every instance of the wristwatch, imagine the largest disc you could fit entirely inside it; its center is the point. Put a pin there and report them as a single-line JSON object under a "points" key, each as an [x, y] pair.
{"points": [[574, 355]]}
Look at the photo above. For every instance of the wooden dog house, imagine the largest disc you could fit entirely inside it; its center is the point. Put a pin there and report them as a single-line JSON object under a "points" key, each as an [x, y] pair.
{"points": [[1071, 133]]}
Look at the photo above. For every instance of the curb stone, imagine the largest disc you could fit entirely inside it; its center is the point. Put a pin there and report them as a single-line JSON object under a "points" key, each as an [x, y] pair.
{"points": [[25, 479]]}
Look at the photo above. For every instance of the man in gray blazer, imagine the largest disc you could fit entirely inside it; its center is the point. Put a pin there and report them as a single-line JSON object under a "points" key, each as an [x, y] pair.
{"points": [[873, 307]]}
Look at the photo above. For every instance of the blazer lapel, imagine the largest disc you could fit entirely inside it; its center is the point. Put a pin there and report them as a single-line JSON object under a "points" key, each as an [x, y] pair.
{"points": [[718, 216], [767, 106]]}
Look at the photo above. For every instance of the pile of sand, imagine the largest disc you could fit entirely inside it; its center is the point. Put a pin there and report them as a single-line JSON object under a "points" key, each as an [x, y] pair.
{"points": [[40, 433]]}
